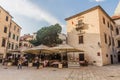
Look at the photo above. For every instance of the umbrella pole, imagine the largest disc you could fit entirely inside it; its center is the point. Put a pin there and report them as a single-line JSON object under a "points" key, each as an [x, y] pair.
{"points": [[61, 57], [40, 55]]}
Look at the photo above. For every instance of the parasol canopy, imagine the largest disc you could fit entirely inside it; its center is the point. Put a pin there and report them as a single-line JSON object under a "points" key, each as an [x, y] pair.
{"points": [[17, 51], [38, 49], [64, 48]]}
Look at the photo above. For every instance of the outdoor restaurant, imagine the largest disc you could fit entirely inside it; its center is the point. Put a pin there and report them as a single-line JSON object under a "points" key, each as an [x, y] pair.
{"points": [[57, 56]]}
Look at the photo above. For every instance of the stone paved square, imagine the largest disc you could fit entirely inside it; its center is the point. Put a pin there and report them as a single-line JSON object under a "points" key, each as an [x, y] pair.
{"points": [[109, 72]]}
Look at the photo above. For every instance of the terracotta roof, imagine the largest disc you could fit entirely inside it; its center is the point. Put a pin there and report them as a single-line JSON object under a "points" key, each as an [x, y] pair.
{"points": [[91, 9], [115, 17], [22, 38]]}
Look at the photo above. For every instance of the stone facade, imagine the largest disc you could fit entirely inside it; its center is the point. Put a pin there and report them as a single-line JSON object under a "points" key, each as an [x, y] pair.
{"points": [[93, 31], [7, 32], [24, 40], [116, 18]]}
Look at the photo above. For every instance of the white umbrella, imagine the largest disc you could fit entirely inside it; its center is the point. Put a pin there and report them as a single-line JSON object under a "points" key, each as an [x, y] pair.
{"points": [[17, 51], [64, 48], [38, 49]]}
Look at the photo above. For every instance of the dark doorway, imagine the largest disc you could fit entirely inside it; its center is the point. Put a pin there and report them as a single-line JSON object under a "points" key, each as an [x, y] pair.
{"points": [[111, 59], [119, 56], [81, 57]]}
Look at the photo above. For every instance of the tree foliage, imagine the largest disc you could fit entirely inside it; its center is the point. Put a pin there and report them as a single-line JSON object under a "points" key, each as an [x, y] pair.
{"points": [[48, 35], [34, 42]]}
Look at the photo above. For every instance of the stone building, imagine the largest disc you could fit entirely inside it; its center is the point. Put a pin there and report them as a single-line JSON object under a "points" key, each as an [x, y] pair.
{"points": [[92, 31], [24, 40], [9, 33], [116, 18]]}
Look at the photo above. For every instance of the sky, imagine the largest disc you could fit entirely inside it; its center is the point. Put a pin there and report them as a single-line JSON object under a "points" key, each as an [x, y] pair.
{"points": [[32, 15]]}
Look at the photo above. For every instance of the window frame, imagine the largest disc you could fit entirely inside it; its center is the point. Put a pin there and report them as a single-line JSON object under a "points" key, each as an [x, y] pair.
{"points": [[3, 42], [81, 39]]}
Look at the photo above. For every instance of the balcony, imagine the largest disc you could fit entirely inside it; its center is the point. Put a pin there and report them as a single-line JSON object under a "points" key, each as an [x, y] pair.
{"points": [[80, 26]]}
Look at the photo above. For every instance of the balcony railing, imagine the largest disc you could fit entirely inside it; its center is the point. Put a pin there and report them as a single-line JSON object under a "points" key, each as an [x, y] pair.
{"points": [[80, 26]]}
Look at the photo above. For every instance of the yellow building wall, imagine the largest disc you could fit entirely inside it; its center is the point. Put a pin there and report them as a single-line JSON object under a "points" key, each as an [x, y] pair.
{"points": [[91, 36], [4, 23], [106, 49], [14, 29]]}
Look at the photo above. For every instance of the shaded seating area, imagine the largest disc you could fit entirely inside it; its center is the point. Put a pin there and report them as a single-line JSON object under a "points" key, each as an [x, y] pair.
{"points": [[47, 56]]}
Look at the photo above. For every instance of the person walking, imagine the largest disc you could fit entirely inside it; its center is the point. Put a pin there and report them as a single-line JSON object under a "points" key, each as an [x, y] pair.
{"points": [[5, 63], [38, 64], [20, 63]]}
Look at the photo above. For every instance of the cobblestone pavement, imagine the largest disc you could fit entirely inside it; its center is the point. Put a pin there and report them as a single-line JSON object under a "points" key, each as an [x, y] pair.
{"points": [[110, 72]]}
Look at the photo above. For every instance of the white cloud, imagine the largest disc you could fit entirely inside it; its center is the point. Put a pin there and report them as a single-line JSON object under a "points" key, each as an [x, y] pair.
{"points": [[28, 9], [98, 0]]}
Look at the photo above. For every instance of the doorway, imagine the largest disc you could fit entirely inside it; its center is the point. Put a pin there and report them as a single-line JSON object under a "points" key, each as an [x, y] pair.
{"points": [[81, 57], [119, 56], [111, 59]]}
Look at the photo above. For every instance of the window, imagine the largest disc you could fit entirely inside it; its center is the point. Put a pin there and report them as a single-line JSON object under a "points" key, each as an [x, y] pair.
{"points": [[3, 42], [105, 37], [9, 45], [12, 45], [106, 55], [98, 54], [117, 31], [118, 43], [9, 34], [16, 47], [18, 30], [17, 38], [13, 36], [108, 24], [14, 27], [10, 25], [5, 29], [6, 18], [109, 40], [80, 22], [103, 20], [80, 39], [113, 41], [25, 45], [20, 44], [111, 27]]}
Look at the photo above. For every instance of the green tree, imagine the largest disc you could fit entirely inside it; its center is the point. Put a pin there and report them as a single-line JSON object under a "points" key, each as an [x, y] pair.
{"points": [[34, 42], [48, 35]]}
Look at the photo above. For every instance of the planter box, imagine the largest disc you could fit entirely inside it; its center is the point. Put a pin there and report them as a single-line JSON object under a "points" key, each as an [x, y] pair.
{"points": [[30, 64], [9, 64], [60, 66], [41, 66]]}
